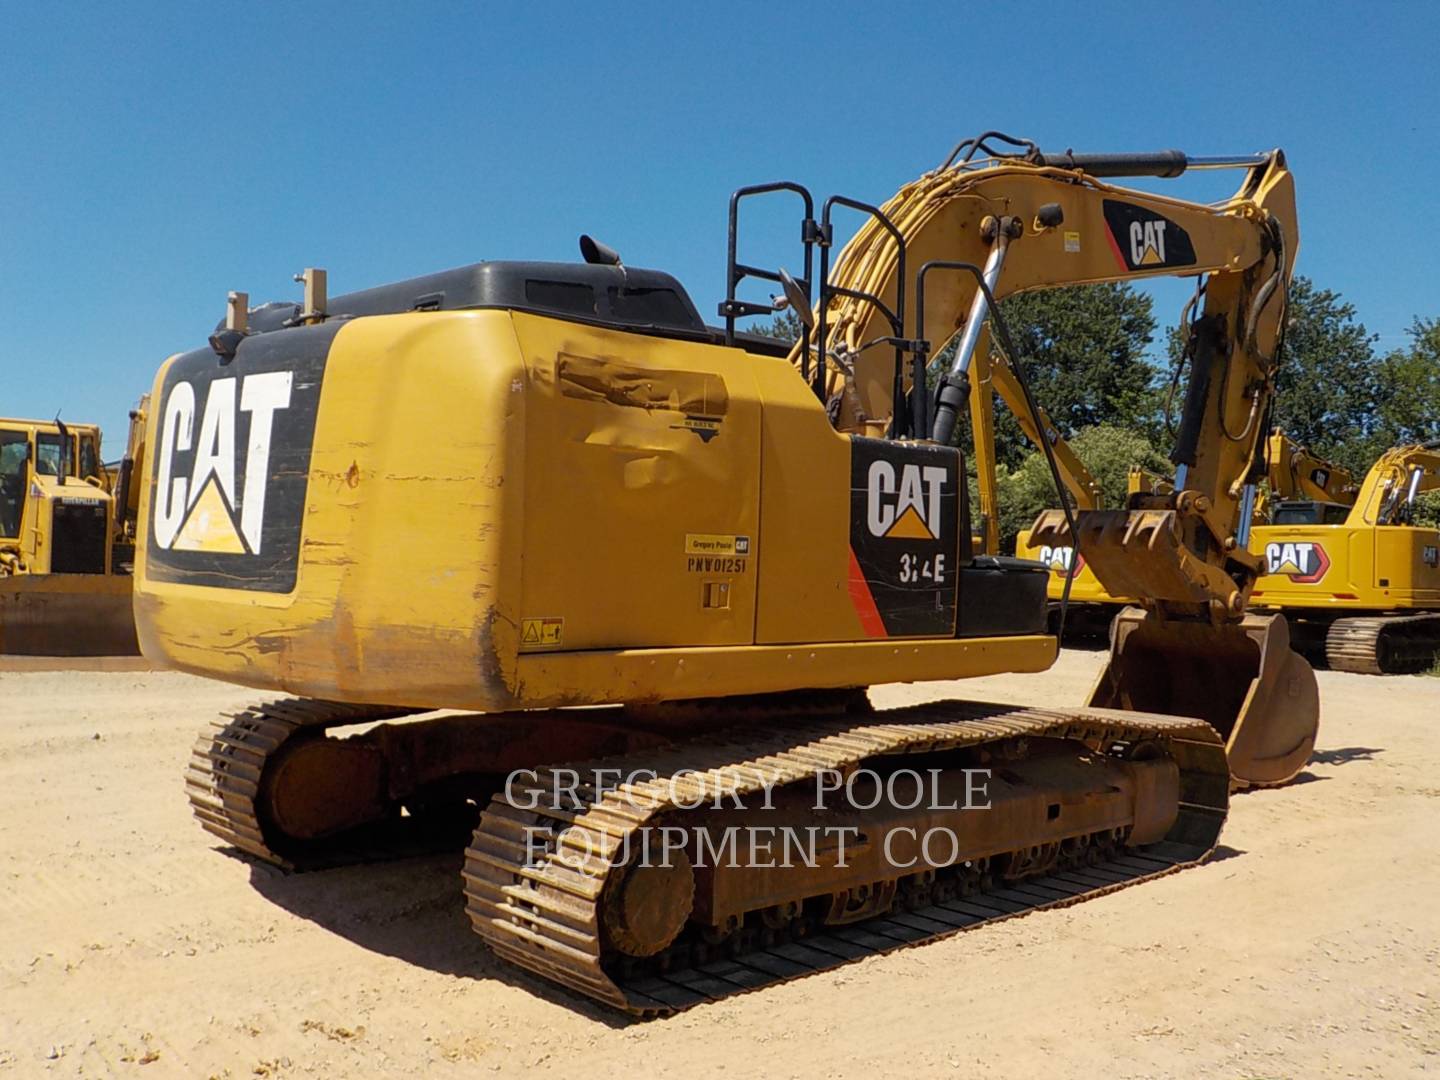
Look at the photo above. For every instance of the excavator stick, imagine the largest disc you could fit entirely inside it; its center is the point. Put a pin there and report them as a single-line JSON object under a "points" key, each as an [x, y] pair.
{"points": [[67, 615], [1241, 677]]}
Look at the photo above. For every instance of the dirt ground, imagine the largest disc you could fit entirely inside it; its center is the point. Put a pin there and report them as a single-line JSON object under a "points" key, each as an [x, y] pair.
{"points": [[131, 943]]}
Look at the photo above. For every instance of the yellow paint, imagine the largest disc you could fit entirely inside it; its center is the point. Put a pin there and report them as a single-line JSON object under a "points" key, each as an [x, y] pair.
{"points": [[908, 526], [513, 541], [209, 526]]}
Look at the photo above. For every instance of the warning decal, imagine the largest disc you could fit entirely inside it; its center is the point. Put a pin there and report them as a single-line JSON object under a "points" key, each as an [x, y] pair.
{"points": [[539, 633], [904, 537]]}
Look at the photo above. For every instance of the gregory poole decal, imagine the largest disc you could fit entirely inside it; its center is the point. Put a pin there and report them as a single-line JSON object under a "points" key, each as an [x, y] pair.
{"points": [[1302, 562], [904, 537], [232, 462]]}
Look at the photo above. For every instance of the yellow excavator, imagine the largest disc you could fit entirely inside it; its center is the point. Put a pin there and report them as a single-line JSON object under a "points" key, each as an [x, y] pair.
{"points": [[516, 488], [1298, 485], [1359, 577], [66, 540], [1356, 575], [1078, 594]]}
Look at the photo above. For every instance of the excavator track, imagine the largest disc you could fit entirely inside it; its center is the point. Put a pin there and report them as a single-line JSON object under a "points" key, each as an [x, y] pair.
{"points": [[227, 772], [541, 880], [1383, 644], [273, 782]]}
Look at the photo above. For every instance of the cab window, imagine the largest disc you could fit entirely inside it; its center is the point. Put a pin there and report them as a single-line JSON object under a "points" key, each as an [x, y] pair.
{"points": [[14, 449], [90, 460], [49, 455]]}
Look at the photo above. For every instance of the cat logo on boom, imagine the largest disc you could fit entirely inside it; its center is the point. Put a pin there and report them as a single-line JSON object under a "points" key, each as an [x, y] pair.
{"points": [[1302, 562], [1145, 240], [904, 504]]}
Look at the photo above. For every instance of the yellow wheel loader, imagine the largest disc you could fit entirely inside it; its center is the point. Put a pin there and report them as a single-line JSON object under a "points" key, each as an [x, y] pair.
{"points": [[66, 541], [517, 488]]}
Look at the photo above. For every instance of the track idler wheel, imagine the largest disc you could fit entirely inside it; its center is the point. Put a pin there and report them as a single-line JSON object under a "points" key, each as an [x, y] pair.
{"points": [[1242, 678], [648, 907]]}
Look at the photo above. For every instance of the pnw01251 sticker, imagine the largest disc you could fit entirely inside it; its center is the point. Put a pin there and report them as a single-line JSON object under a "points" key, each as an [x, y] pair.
{"points": [[904, 537], [232, 462]]}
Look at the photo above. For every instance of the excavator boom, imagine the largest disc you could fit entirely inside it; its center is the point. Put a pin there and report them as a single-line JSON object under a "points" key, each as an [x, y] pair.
{"points": [[1008, 224]]}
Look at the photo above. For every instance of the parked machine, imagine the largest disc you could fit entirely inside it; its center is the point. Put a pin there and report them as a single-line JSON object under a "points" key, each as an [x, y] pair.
{"points": [[515, 488], [1295, 477], [66, 540], [1358, 577]]}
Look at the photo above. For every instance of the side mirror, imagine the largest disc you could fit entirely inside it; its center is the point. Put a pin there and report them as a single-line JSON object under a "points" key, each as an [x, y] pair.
{"points": [[796, 300]]}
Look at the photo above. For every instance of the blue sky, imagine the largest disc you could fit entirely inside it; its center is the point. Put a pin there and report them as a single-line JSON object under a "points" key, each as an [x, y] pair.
{"points": [[153, 156]]}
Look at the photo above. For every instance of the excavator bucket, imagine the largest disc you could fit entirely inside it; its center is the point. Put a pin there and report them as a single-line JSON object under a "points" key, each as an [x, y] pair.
{"points": [[1243, 678], [67, 615]]}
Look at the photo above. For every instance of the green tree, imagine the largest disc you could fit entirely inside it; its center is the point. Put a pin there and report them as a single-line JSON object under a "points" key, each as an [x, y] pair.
{"points": [[1084, 351], [1329, 386], [1409, 378], [1106, 450], [785, 326]]}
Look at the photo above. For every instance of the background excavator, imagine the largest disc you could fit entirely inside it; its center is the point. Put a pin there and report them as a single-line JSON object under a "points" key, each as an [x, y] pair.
{"points": [[1299, 486], [602, 501], [67, 539], [1356, 575], [1359, 578]]}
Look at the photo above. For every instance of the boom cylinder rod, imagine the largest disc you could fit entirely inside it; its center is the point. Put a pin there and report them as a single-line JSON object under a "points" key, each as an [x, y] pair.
{"points": [[1247, 511], [979, 307], [1161, 163], [955, 388], [1412, 491]]}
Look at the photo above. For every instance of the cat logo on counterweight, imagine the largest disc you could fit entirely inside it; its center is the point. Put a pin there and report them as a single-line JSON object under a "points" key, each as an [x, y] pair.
{"points": [[231, 469], [904, 503], [1303, 563]]}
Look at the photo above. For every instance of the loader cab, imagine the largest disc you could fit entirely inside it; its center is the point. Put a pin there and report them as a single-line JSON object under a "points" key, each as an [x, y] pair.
{"points": [[55, 507]]}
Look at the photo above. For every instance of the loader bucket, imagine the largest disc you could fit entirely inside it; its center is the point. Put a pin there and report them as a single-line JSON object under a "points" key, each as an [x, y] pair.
{"points": [[1242, 678], [67, 615]]}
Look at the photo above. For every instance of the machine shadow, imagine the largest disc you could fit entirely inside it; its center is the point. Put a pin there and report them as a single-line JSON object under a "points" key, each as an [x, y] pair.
{"points": [[1345, 755], [1223, 852], [411, 909]]}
